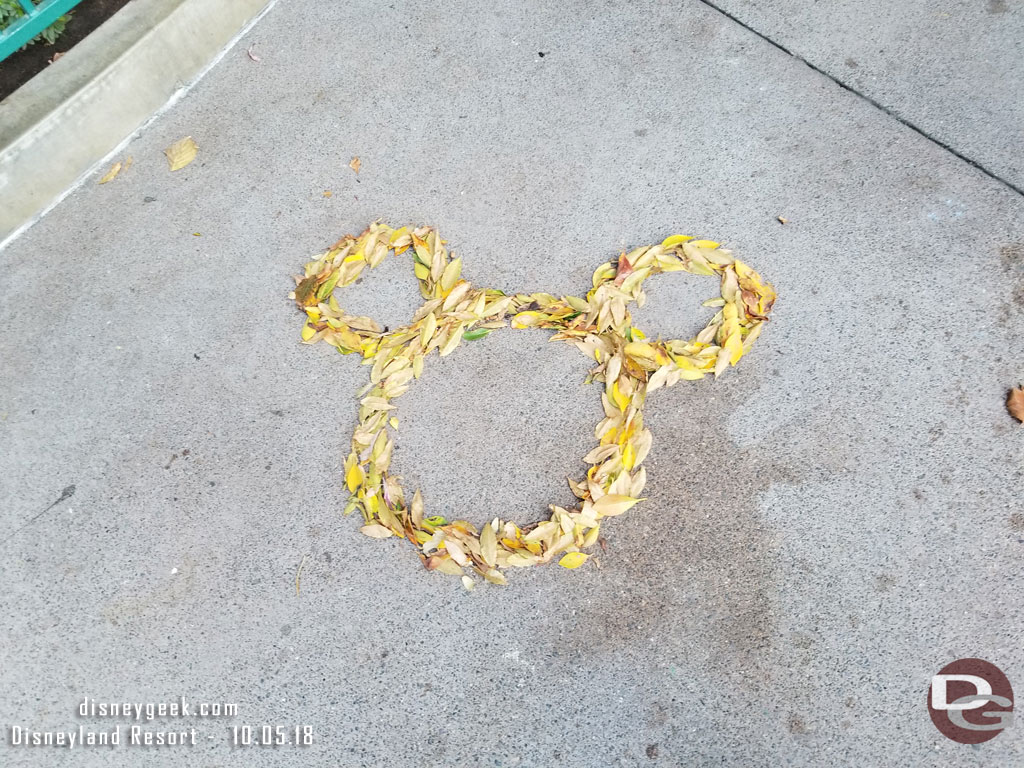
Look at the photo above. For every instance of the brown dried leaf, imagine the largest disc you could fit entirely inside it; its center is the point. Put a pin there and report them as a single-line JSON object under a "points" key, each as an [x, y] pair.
{"points": [[1015, 403], [355, 164]]}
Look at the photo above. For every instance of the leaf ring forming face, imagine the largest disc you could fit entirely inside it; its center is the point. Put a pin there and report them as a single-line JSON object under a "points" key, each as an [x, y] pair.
{"points": [[629, 365]]}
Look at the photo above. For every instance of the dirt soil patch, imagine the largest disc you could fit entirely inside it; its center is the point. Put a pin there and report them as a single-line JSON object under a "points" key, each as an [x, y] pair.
{"points": [[20, 67]]}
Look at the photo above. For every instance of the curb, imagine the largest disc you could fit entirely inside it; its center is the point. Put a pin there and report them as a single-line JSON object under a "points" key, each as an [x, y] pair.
{"points": [[70, 116]]}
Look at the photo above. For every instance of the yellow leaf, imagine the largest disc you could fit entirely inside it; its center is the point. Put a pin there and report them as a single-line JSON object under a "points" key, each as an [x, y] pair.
{"points": [[444, 564], [427, 331], [521, 561], [372, 504], [451, 274], [688, 375], [109, 176], [376, 531], [528, 319], [181, 153], [457, 294], [722, 362], [603, 273], [613, 504], [495, 576], [453, 341], [354, 477], [458, 554], [668, 242], [355, 164], [577, 303], [488, 545], [379, 446], [705, 244], [542, 531], [641, 349], [735, 347], [628, 457], [416, 509], [621, 400], [573, 560], [308, 332]]}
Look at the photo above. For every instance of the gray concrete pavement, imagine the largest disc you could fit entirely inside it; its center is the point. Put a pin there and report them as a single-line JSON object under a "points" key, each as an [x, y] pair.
{"points": [[826, 527], [953, 69]]}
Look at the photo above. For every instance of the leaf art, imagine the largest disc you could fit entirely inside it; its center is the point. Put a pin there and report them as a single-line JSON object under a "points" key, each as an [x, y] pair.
{"points": [[629, 365]]}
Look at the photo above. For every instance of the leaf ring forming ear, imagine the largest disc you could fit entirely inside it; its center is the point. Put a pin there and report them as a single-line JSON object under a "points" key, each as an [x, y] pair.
{"points": [[629, 365]]}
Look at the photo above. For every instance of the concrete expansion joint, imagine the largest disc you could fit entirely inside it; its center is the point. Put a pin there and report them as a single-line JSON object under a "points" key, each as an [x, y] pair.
{"points": [[876, 104]]}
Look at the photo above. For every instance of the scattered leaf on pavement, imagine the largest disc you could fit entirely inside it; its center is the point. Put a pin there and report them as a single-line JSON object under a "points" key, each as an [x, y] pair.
{"points": [[181, 153], [355, 164], [573, 560], [112, 173]]}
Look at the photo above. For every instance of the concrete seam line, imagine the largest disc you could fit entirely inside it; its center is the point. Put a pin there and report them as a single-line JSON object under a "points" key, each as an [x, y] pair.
{"points": [[172, 99], [876, 104]]}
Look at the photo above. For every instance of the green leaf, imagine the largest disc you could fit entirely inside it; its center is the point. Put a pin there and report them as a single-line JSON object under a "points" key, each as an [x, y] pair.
{"points": [[327, 287], [477, 333]]}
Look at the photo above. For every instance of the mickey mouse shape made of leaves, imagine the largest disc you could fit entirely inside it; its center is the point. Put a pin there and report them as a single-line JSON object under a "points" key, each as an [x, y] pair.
{"points": [[630, 365]]}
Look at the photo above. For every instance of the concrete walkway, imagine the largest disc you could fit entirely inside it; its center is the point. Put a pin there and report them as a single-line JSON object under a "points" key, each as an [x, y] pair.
{"points": [[826, 527]]}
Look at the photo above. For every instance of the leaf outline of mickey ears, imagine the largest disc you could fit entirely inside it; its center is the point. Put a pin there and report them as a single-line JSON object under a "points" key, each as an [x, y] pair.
{"points": [[625, 359]]}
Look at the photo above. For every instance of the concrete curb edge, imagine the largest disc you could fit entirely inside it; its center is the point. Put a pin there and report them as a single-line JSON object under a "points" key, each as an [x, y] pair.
{"points": [[71, 117]]}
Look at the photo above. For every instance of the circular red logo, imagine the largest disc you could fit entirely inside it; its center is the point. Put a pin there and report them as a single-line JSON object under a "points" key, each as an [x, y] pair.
{"points": [[970, 701]]}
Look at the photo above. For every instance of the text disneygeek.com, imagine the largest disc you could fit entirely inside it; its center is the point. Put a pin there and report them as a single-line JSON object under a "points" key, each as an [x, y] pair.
{"points": [[151, 735]]}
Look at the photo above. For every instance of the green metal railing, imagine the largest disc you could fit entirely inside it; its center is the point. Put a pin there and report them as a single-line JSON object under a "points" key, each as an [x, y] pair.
{"points": [[36, 19]]}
